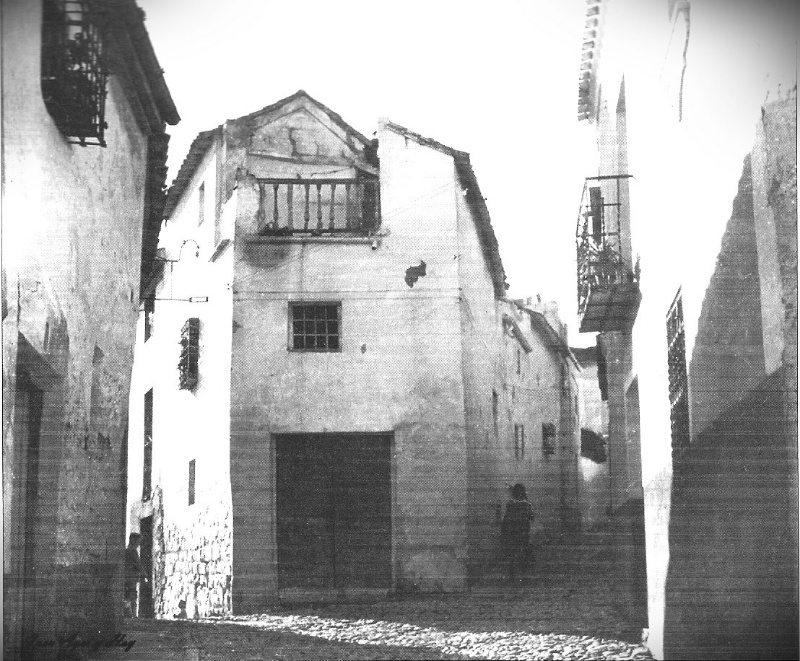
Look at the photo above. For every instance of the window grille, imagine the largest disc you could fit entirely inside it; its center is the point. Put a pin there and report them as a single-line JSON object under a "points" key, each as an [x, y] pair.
{"points": [[147, 470], [190, 353], [315, 326], [74, 70], [548, 439], [678, 381], [519, 441]]}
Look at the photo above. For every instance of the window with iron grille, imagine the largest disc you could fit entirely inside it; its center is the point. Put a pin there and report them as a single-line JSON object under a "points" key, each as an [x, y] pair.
{"points": [[147, 470], [74, 69], [678, 381], [519, 441], [548, 439], [190, 353], [315, 326]]}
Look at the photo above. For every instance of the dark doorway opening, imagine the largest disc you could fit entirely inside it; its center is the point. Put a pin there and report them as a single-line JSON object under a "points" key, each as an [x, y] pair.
{"points": [[333, 510], [27, 427], [146, 555]]}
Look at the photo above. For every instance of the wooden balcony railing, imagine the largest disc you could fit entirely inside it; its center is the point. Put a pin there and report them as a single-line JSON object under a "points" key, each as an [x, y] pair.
{"points": [[318, 206]]}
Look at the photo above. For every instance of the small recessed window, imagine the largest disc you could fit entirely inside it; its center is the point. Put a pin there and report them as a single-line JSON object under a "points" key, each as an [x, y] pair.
{"points": [[519, 441], [548, 439], [496, 413], [191, 481], [201, 203], [96, 395], [315, 326]]}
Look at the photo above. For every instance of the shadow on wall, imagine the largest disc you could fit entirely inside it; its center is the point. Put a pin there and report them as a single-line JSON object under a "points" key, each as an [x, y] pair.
{"points": [[732, 580]]}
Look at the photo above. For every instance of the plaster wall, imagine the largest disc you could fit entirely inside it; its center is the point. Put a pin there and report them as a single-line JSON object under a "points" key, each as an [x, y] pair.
{"points": [[72, 234], [398, 369], [687, 135], [595, 483], [192, 546]]}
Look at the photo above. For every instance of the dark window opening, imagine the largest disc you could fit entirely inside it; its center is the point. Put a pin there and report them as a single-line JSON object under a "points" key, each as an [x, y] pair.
{"points": [[315, 326], [602, 371], [519, 441], [147, 470], [548, 439], [496, 412], [188, 365], [74, 70], [201, 203], [593, 446], [191, 482], [96, 400], [596, 212], [149, 317], [519, 361], [678, 381]]}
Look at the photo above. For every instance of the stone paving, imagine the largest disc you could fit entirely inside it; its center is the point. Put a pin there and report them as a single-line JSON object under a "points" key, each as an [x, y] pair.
{"points": [[561, 611]]}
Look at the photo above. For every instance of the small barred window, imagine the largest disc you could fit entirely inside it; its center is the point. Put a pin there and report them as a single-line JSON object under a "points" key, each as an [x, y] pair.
{"points": [[678, 379], [315, 326], [188, 366], [74, 69]]}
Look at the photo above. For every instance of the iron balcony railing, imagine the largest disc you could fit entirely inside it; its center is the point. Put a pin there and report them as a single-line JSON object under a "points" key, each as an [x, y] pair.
{"points": [[318, 206], [601, 259]]}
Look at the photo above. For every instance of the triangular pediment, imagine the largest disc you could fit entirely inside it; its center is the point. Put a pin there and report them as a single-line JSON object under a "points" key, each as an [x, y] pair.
{"points": [[300, 128]]}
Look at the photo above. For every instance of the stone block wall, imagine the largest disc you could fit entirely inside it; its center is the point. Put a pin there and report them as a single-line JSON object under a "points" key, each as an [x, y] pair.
{"points": [[193, 560]]}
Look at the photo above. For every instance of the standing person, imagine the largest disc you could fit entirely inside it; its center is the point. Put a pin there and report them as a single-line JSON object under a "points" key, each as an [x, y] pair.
{"points": [[516, 530], [133, 573]]}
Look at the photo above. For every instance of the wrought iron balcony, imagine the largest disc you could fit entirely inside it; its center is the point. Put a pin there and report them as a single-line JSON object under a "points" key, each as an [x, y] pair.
{"points": [[608, 286], [318, 207]]}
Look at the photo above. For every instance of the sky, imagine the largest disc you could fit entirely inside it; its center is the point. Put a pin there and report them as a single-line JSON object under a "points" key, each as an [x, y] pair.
{"points": [[497, 80]]}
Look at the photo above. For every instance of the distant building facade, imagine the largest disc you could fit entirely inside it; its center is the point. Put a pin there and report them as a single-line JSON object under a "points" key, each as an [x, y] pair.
{"points": [[332, 394], [84, 148], [695, 306], [596, 486]]}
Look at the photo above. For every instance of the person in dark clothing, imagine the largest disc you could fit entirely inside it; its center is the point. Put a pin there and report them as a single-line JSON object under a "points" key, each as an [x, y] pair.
{"points": [[133, 573], [516, 531]]}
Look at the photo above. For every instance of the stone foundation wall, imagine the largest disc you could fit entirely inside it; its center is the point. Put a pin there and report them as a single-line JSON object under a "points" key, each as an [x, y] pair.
{"points": [[193, 561]]}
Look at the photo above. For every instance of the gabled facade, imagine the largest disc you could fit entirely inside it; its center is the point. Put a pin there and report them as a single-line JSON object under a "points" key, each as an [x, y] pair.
{"points": [[357, 400], [687, 270], [84, 149]]}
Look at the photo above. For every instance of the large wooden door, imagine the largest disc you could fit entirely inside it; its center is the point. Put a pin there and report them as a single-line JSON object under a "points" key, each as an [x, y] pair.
{"points": [[334, 511]]}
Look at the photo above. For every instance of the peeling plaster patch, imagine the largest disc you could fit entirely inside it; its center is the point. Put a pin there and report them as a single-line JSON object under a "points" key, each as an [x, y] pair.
{"points": [[414, 273]]}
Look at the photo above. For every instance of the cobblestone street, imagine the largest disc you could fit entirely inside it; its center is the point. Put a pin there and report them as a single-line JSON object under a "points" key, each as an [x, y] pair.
{"points": [[562, 611]]}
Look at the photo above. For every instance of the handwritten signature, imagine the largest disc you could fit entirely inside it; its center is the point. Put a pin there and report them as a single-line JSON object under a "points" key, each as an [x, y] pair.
{"points": [[74, 641]]}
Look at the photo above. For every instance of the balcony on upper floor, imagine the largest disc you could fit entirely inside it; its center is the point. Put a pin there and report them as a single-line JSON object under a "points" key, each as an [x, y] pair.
{"points": [[318, 207], [608, 285]]}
